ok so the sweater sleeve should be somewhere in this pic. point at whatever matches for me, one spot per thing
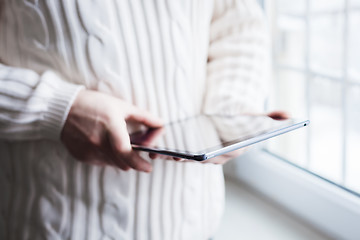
(238, 59)
(33, 106)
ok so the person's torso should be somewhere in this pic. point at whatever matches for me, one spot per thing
(150, 53)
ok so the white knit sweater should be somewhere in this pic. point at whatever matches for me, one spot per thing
(174, 58)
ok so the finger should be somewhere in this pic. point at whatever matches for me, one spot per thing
(186, 160)
(144, 117)
(153, 155)
(151, 136)
(120, 142)
(279, 115)
(161, 156)
(111, 158)
(136, 162)
(219, 160)
(222, 159)
(120, 164)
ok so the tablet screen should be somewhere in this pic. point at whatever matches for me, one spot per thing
(206, 133)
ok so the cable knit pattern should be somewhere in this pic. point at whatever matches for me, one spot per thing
(174, 58)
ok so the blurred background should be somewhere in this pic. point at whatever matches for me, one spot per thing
(316, 59)
(308, 180)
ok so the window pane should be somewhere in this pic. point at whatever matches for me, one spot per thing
(291, 146)
(291, 7)
(326, 44)
(353, 139)
(326, 128)
(289, 95)
(326, 5)
(355, 3)
(354, 46)
(289, 92)
(290, 41)
(320, 147)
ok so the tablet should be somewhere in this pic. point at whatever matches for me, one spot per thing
(206, 136)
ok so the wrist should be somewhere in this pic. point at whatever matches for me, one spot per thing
(61, 96)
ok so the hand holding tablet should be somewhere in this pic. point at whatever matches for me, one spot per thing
(204, 137)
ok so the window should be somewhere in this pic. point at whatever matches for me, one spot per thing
(316, 63)
(316, 68)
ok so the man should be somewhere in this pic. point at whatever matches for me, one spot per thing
(75, 73)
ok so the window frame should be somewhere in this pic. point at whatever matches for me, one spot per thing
(310, 74)
(322, 204)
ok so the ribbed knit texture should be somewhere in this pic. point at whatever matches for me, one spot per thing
(175, 58)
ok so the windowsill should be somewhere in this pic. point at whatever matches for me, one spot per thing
(248, 215)
(321, 204)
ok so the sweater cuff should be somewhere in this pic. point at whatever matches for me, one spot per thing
(59, 97)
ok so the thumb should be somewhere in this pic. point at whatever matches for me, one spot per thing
(144, 117)
(120, 141)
